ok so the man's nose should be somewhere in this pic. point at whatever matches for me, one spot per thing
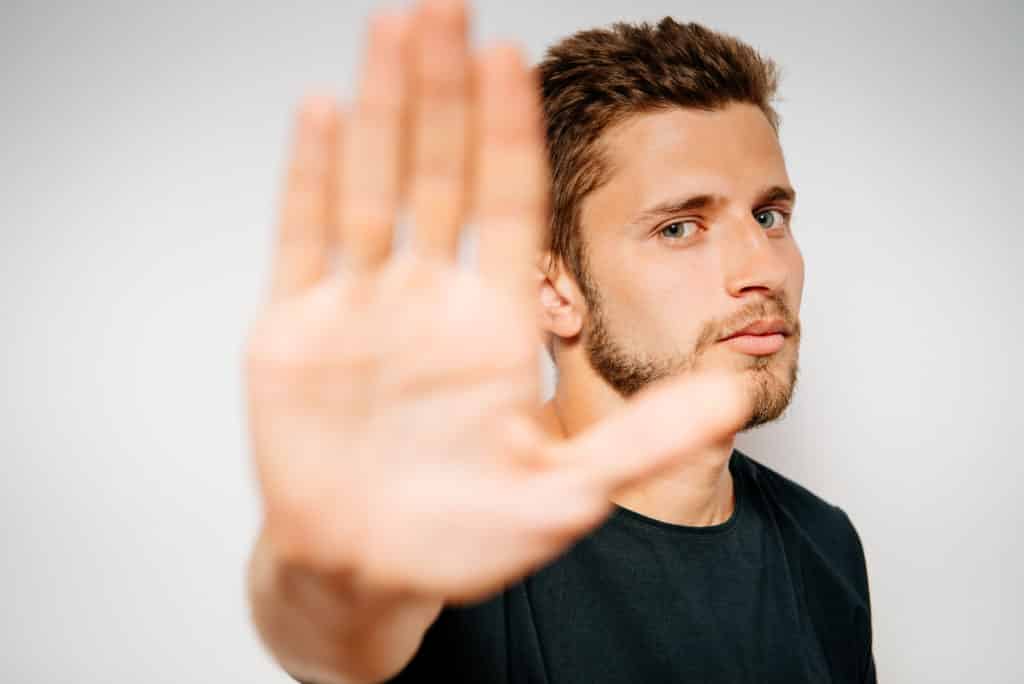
(751, 258)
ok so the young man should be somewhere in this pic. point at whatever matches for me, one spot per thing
(427, 521)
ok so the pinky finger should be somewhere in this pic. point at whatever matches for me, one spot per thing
(301, 251)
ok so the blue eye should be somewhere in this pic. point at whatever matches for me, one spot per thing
(675, 231)
(771, 222)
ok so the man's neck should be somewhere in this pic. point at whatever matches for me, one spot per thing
(696, 492)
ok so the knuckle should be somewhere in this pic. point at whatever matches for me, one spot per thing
(281, 348)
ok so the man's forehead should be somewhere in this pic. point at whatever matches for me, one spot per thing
(701, 141)
(657, 158)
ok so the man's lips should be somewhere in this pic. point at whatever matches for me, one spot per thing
(758, 345)
(762, 337)
(763, 326)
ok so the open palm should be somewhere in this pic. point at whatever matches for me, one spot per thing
(394, 394)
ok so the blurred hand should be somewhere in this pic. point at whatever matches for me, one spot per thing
(393, 395)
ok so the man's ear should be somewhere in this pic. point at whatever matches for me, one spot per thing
(561, 303)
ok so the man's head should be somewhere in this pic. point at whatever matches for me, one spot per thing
(670, 209)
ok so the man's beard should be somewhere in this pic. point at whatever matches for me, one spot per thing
(629, 372)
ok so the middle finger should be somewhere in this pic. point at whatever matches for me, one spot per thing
(440, 125)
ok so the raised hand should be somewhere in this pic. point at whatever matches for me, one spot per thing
(394, 394)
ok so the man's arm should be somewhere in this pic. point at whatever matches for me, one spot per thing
(321, 631)
(392, 394)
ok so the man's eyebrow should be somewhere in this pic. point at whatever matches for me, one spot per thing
(777, 193)
(774, 193)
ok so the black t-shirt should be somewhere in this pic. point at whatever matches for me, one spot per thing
(778, 593)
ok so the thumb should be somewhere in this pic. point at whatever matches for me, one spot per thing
(657, 428)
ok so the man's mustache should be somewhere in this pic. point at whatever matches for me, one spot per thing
(774, 307)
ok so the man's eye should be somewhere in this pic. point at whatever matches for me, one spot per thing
(676, 230)
(766, 218)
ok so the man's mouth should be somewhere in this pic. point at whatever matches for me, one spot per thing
(762, 326)
(760, 338)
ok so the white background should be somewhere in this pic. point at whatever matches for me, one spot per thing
(140, 153)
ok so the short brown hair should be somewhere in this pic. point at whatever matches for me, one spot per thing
(597, 77)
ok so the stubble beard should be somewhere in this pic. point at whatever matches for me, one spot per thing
(629, 372)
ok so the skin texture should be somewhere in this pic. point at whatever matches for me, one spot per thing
(393, 396)
(660, 293)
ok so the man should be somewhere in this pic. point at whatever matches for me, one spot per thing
(427, 521)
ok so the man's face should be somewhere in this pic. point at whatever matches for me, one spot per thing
(666, 282)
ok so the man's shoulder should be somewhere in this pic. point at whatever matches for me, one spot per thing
(797, 500)
(831, 557)
(824, 527)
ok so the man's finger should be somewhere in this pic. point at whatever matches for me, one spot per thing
(371, 175)
(440, 126)
(301, 251)
(661, 426)
(512, 174)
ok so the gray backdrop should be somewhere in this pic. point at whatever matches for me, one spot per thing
(141, 151)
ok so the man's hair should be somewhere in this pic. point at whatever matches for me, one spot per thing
(598, 77)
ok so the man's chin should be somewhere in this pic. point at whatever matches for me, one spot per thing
(771, 390)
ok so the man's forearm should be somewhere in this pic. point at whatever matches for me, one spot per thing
(323, 632)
